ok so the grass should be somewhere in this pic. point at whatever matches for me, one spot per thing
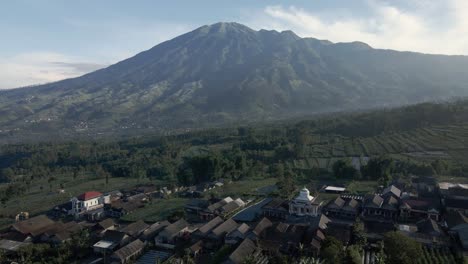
(37, 200)
(156, 210)
(243, 188)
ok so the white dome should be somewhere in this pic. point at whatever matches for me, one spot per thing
(304, 195)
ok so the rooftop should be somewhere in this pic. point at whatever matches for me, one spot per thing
(89, 195)
(34, 225)
(10, 245)
(246, 248)
(103, 244)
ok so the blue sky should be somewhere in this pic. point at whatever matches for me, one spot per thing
(48, 40)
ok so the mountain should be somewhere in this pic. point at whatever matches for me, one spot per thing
(228, 73)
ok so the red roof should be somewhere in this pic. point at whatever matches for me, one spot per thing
(89, 195)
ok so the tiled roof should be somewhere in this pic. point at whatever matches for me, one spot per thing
(374, 201)
(107, 223)
(392, 190)
(245, 249)
(34, 225)
(129, 250)
(89, 195)
(211, 225)
(225, 227)
(421, 204)
(337, 203)
(262, 225)
(174, 228)
(135, 229)
(113, 236)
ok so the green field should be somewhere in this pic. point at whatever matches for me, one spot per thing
(156, 210)
(37, 200)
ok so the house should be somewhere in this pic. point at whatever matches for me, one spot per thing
(456, 205)
(342, 208)
(261, 226)
(167, 238)
(231, 207)
(60, 232)
(195, 208)
(115, 195)
(313, 241)
(426, 232)
(237, 235)
(154, 256)
(204, 230)
(276, 209)
(454, 218)
(135, 229)
(32, 228)
(120, 208)
(419, 208)
(196, 248)
(128, 252)
(244, 250)
(89, 205)
(304, 204)
(391, 191)
(381, 208)
(461, 232)
(320, 222)
(111, 239)
(455, 191)
(101, 227)
(152, 231)
(283, 237)
(11, 246)
(429, 227)
(216, 236)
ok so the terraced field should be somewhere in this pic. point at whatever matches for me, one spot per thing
(450, 142)
(436, 256)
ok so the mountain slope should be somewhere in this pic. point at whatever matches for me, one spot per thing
(228, 72)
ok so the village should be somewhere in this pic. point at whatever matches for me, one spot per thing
(231, 229)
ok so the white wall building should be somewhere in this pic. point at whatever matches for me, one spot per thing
(87, 202)
(304, 204)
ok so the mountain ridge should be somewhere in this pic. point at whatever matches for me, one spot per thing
(228, 73)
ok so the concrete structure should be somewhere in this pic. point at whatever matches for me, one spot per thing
(304, 204)
(89, 204)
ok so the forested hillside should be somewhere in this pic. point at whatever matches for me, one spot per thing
(425, 139)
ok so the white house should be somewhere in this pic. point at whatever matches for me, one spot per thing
(88, 203)
(304, 204)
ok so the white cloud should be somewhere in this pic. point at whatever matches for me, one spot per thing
(117, 40)
(438, 26)
(41, 67)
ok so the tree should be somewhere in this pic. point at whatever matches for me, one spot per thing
(380, 256)
(358, 233)
(343, 169)
(353, 255)
(401, 249)
(286, 184)
(332, 250)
